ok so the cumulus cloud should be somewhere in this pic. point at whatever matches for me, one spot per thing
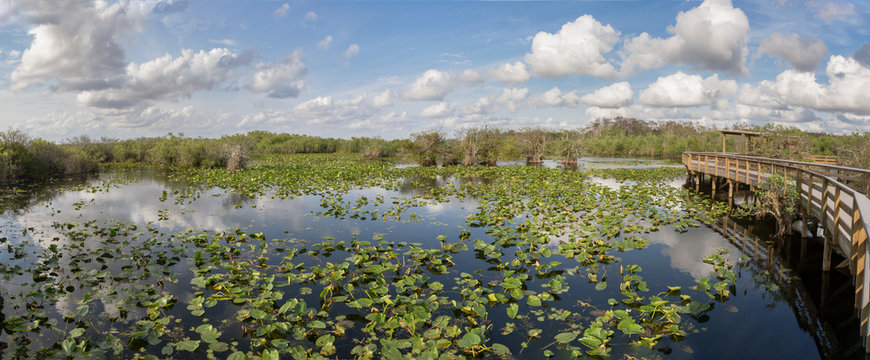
(351, 51)
(612, 96)
(325, 110)
(440, 109)
(75, 42)
(846, 90)
(683, 90)
(711, 36)
(479, 107)
(325, 43)
(469, 77)
(166, 78)
(281, 79)
(383, 99)
(578, 48)
(431, 85)
(435, 84)
(802, 52)
(511, 98)
(510, 73)
(282, 10)
(863, 55)
(555, 98)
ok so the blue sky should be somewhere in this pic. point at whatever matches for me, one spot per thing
(391, 68)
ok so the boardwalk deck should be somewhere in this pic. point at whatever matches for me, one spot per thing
(835, 196)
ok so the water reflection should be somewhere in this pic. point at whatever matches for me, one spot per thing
(802, 319)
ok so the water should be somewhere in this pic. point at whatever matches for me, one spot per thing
(769, 315)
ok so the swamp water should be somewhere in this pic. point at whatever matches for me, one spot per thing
(314, 256)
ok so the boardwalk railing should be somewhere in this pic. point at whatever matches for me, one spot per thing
(833, 195)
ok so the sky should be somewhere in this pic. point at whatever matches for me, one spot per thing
(134, 68)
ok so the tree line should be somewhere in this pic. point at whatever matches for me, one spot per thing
(23, 158)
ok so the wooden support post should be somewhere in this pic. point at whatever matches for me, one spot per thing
(758, 174)
(716, 165)
(730, 192)
(803, 250)
(747, 172)
(826, 254)
(728, 168)
(804, 224)
(713, 182)
(826, 285)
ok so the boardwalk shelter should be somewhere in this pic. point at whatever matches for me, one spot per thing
(748, 135)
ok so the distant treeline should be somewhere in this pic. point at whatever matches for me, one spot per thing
(23, 158)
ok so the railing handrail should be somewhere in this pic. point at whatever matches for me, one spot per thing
(834, 167)
(769, 161)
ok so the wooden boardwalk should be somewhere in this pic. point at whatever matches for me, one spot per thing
(835, 196)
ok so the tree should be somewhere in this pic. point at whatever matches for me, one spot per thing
(778, 197)
(480, 145)
(532, 143)
(425, 147)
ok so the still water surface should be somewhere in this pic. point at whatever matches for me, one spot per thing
(774, 313)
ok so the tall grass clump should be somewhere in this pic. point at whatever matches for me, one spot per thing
(23, 158)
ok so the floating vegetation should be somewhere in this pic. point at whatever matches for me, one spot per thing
(536, 268)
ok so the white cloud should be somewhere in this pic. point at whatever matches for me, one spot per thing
(846, 90)
(785, 116)
(383, 99)
(762, 96)
(555, 98)
(432, 85)
(711, 36)
(325, 110)
(394, 117)
(578, 48)
(510, 73)
(351, 51)
(482, 106)
(76, 43)
(282, 79)
(282, 10)
(594, 112)
(166, 78)
(224, 42)
(310, 17)
(325, 43)
(802, 52)
(13, 57)
(438, 110)
(469, 77)
(682, 90)
(511, 98)
(838, 11)
(612, 96)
